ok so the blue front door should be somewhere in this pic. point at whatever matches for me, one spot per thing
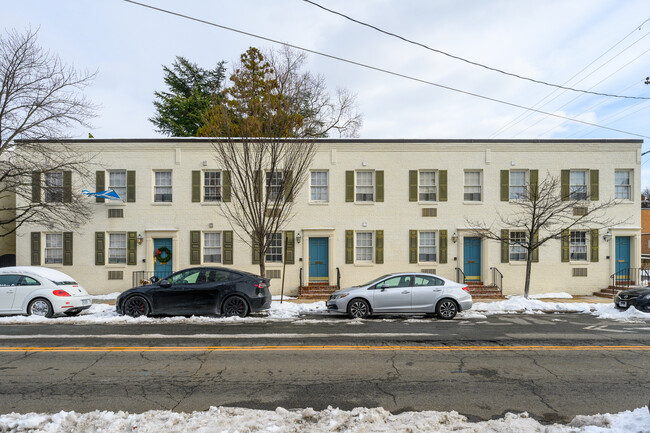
(162, 270)
(472, 259)
(318, 259)
(622, 257)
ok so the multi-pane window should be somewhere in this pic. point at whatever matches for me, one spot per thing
(54, 186)
(53, 248)
(117, 182)
(212, 247)
(117, 248)
(623, 184)
(578, 185)
(517, 185)
(427, 186)
(578, 246)
(318, 186)
(274, 248)
(162, 186)
(427, 251)
(517, 249)
(274, 181)
(364, 247)
(365, 187)
(472, 185)
(211, 186)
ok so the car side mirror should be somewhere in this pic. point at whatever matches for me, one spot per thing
(383, 286)
(165, 284)
(154, 279)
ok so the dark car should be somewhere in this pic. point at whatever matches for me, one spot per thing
(198, 291)
(637, 297)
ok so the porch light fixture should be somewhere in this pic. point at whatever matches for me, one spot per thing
(140, 239)
(454, 238)
(607, 236)
(298, 237)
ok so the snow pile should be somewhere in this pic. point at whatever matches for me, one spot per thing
(231, 420)
(107, 297)
(559, 295)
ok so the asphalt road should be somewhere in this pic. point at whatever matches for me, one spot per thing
(552, 366)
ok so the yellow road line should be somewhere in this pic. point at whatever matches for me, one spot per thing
(318, 348)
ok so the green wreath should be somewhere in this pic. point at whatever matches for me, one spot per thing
(163, 255)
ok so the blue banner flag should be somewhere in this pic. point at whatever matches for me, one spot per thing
(109, 194)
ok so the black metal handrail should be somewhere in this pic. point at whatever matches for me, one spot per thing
(460, 272)
(140, 278)
(630, 277)
(497, 279)
(338, 279)
(300, 286)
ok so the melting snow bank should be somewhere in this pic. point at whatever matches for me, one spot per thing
(224, 419)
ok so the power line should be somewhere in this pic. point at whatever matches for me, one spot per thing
(521, 77)
(374, 68)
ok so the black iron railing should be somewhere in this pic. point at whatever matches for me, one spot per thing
(460, 276)
(338, 279)
(140, 278)
(300, 286)
(497, 279)
(630, 277)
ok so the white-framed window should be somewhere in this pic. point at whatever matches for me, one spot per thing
(623, 184)
(319, 186)
(162, 186)
(427, 186)
(117, 248)
(517, 251)
(212, 247)
(274, 183)
(54, 187)
(211, 186)
(578, 246)
(364, 247)
(578, 185)
(274, 248)
(53, 248)
(365, 186)
(117, 182)
(427, 248)
(517, 184)
(473, 184)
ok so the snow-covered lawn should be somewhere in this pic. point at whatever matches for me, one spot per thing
(231, 420)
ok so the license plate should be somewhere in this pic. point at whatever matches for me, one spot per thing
(85, 301)
(622, 304)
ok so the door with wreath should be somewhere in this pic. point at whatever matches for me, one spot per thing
(162, 257)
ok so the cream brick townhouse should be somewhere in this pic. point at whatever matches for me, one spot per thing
(370, 207)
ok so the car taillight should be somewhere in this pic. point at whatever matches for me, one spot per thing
(60, 293)
(260, 286)
(466, 289)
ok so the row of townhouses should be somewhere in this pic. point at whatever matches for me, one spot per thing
(368, 208)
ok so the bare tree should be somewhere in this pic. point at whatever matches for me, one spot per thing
(545, 211)
(40, 98)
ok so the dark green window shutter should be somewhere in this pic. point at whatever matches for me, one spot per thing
(131, 248)
(256, 251)
(379, 248)
(67, 249)
(225, 186)
(535, 258)
(534, 182)
(349, 186)
(349, 246)
(505, 246)
(413, 185)
(257, 187)
(100, 185)
(36, 187)
(594, 244)
(196, 186)
(195, 247)
(67, 186)
(227, 248)
(288, 185)
(379, 189)
(565, 245)
(442, 174)
(593, 180)
(443, 246)
(36, 248)
(564, 184)
(413, 246)
(100, 248)
(505, 185)
(130, 186)
(290, 248)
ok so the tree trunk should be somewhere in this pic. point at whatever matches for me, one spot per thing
(262, 263)
(529, 263)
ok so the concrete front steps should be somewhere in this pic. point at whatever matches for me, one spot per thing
(479, 290)
(611, 291)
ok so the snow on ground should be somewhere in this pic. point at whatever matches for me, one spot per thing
(110, 296)
(559, 295)
(231, 420)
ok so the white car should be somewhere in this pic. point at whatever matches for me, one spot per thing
(41, 292)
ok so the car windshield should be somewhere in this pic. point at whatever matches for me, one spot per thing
(375, 281)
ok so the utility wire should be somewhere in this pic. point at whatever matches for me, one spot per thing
(374, 68)
(521, 77)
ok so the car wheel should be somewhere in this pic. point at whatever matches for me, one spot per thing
(358, 309)
(40, 307)
(446, 309)
(136, 306)
(235, 306)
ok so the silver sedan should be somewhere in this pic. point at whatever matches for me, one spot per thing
(407, 292)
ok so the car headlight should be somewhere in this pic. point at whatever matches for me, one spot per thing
(646, 297)
(339, 296)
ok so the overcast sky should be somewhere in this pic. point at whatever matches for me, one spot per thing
(549, 41)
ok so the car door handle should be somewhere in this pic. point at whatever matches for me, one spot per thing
(406, 292)
(11, 291)
(437, 290)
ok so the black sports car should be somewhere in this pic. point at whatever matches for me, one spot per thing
(638, 297)
(198, 291)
